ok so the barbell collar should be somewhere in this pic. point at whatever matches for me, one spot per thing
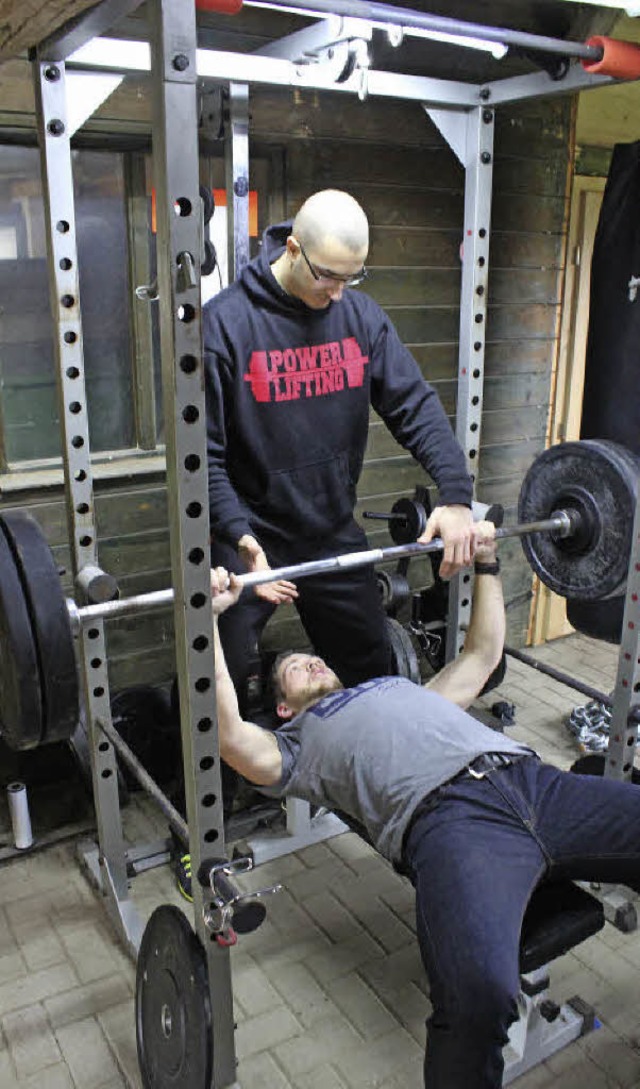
(561, 524)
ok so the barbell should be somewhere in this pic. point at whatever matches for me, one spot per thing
(576, 510)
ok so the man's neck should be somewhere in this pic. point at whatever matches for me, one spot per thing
(279, 270)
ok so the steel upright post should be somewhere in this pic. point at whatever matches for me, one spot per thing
(57, 182)
(175, 159)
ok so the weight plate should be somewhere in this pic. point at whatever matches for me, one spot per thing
(173, 1015)
(403, 656)
(208, 203)
(394, 589)
(413, 525)
(600, 480)
(49, 624)
(20, 696)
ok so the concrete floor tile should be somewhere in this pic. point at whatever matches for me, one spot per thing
(36, 987)
(88, 1000)
(30, 1041)
(362, 1007)
(538, 1078)
(54, 1077)
(260, 1071)
(253, 989)
(384, 1057)
(385, 975)
(410, 1007)
(8, 1075)
(341, 958)
(410, 1077)
(118, 1025)
(375, 917)
(309, 883)
(92, 955)
(332, 917)
(266, 1031)
(12, 966)
(323, 1077)
(87, 1054)
(307, 1051)
(619, 1061)
(304, 997)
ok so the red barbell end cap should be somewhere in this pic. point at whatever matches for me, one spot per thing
(621, 60)
(221, 7)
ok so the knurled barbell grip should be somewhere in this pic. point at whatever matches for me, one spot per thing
(561, 522)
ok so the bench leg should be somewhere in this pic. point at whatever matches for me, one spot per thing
(543, 1027)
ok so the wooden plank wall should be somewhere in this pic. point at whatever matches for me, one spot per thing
(391, 157)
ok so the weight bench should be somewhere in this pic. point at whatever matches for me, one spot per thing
(559, 916)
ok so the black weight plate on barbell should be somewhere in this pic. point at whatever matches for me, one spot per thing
(404, 660)
(414, 524)
(209, 258)
(208, 203)
(594, 475)
(394, 590)
(20, 696)
(173, 1012)
(50, 624)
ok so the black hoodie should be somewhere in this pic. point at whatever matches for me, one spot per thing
(288, 394)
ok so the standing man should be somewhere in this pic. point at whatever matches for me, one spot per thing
(294, 360)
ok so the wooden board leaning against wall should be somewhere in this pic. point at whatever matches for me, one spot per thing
(549, 614)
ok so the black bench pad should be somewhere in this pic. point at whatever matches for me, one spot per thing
(560, 915)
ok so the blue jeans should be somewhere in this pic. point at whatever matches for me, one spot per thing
(475, 857)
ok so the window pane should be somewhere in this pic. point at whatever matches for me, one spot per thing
(27, 374)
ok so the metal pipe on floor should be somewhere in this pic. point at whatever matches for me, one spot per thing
(176, 822)
(564, 678)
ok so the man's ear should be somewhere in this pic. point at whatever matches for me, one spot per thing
(283, 710)
(292, 246)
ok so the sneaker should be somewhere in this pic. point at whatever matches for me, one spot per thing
(183, 877)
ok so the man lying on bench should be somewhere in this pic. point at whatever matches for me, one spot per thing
(475, 819)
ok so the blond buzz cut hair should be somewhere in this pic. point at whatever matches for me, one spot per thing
(331, 213)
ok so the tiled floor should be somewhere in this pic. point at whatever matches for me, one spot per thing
(330, 992)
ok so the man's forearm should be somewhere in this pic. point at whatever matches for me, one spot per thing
(226, 697)
(487, 625)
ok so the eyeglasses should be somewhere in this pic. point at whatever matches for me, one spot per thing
(326, 274)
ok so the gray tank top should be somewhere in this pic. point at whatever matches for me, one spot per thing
(375, 751)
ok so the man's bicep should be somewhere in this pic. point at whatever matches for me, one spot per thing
(253, 752)
(460, 681)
